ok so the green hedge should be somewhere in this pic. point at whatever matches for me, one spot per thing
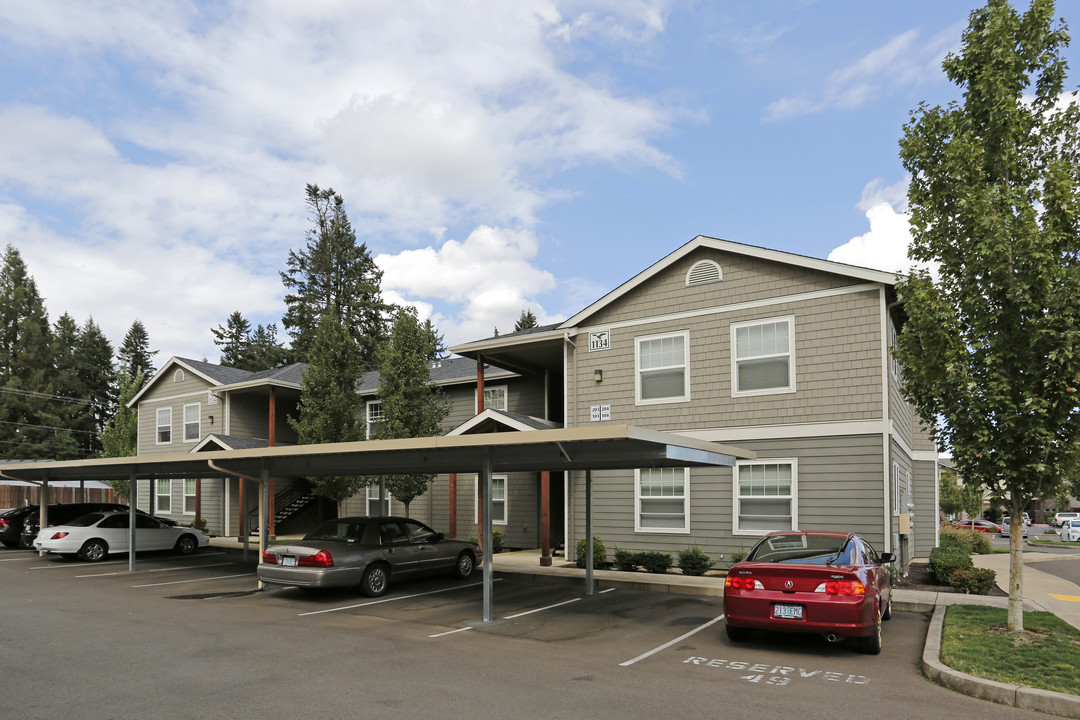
(977, 581)
(599, 553)
(694, 561)
(946, 560)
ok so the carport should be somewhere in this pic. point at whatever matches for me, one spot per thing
(603, 447)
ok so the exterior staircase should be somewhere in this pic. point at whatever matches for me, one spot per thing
(290, 502)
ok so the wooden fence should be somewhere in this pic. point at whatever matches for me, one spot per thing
(13, 496)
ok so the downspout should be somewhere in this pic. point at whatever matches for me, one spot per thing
(569, 420)
(886, 420)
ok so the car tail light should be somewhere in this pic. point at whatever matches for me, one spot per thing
(59, 536)
(4, 523)
(841, 587)
(322, 559)
(269, 558)
(743, 583)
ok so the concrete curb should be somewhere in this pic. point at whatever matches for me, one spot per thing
(1018, 696)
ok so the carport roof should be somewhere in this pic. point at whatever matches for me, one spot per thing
(587, 448)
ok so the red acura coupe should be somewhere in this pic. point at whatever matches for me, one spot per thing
(834, 584)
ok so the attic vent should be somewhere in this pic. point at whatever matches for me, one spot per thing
(703, 273)
(178, 376)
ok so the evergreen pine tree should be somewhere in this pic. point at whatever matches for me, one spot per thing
(333, 274)
(526, 321)
(412, 405)
(135, 353)
(329, 407)
(97, 376)
(233, 340)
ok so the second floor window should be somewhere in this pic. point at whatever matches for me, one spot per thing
(191, 422)
(662, 371)
(374, 415)
(164, 426)
(763, 357)
(495, 398)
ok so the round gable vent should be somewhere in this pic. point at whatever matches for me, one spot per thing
(703, 273)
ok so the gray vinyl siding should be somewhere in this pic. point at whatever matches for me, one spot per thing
(834, 472)
(926, 503)
(837, 369)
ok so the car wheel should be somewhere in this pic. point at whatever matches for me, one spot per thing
(375, 581)
(11, 543)
(872, 645)
(25, 544)
(887, 615)
(737, 634)
(465, 565)
(94, 550)
(186, 544)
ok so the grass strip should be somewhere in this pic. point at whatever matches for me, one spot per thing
(1040, 541)
(1046, 655)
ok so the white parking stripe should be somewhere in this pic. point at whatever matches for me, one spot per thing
(68, 566)
(450, 632)
(540, 609)
(182, 582)
(190, 567)
(669, 644)
(392, 599)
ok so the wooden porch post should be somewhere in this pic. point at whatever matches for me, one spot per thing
(545, 518)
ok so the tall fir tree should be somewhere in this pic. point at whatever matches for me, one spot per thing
(526, 321)
(97, 375)
(233, 339)
(76, 413)
(264, 350)
(333, 273)
(329, 407)
(120, 435)
(135, 353)
(31, 422)
(992, 347)
(412, 405)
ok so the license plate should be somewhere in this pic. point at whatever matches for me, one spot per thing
(290, 561)
(787, 612)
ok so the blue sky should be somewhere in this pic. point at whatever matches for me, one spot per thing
(493, 155)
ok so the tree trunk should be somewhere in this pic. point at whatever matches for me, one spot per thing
(1016, 567)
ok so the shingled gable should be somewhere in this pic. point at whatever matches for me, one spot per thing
(490, 419)
(701, 241)
(224, 377)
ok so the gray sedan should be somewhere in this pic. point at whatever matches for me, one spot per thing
(366, 552)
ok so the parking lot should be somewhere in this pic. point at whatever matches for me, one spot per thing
(193, 637)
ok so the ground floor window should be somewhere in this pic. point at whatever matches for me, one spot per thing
(765, 496)
(163, 500)
(498, 499)
(189, 496)
(663, 500)
(373, 501)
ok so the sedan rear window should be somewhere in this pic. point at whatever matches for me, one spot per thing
(337, 530)
(804, 550)
(85, 520)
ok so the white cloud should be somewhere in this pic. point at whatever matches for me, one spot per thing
(885, 245)
(158, 171)
(904, 61)
(491, 273)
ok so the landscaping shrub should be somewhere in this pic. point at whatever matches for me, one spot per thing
(599, 553)
(977, 581)
(946, 560)
(694, 561)
(497, 537)
(973, 542)
(655, 562)
(626, 560)
(738, 555)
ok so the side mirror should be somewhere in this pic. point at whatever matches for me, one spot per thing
(438, 537)
(888, 558)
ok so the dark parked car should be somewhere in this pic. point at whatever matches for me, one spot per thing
(61, 513)
(834, 584)
(366, 553)
(11, 524)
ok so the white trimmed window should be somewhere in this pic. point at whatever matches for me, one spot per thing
(763, 356)
(374, 415)
(495, 398)
(663, 374)
(192, 415)
(163, 496)
(765, 497)
(498, 499)
(373, 501)
(164, 426)
(189, 496)
(663, 500)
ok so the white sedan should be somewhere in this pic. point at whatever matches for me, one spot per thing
(1070, 531)
(93, 536)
